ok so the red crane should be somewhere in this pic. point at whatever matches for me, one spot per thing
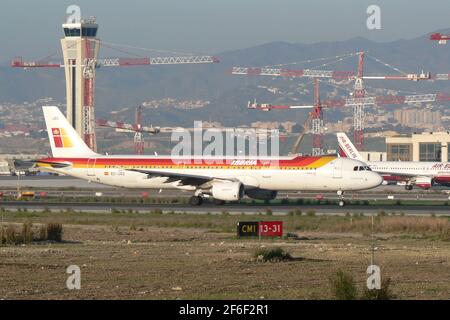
(350, 102)
(332, 74)
(89, 64)
(358, 109)
(18, 62)
(316, 115)
(136, 127)
(317, 122)
(358, 89)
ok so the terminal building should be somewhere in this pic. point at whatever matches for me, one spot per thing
(373, 155)
(427, 146)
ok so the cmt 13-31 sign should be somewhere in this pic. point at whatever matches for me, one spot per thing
(260, 229)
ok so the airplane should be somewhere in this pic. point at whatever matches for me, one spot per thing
(222, 179)
(421, 174)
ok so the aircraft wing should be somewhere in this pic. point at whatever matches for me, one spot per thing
(399, 174)
(185, 179)
(22, 164)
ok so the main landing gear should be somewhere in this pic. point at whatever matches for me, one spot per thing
(409, 187)
(341, 200)
(196, 200)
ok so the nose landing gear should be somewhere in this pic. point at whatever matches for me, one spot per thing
(341, 202)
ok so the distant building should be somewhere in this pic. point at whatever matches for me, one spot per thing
(373, 155)
(427, 146)
(339, 126)
(266, 125)
(418, 118)
(4, 168)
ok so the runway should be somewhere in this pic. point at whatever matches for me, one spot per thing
(63, 186)
(47, 182)
(246, 209)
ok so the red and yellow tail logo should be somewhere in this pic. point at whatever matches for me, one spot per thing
(61, 138)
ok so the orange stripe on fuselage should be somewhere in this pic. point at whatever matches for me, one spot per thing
(298, 162)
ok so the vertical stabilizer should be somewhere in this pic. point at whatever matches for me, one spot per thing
(64, 140)
(347, 147)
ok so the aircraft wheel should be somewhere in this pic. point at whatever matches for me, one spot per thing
(341, 203)
(409, 187)
(196, 200)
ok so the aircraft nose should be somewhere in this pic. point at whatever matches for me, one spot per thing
(376, 179)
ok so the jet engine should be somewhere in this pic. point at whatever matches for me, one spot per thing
(424, 182)
(261, 194)
(227, 191)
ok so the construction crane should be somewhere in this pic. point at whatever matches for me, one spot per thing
(268, 106)
(137, 127)
(359, 94)
(358, 109)
(332, 74)
(18, 62)
(316, 115)
(358, 89)
(337, 75)
(373, 101)
(80, 48)
(317, 122)
(88, 131)
(442, 39)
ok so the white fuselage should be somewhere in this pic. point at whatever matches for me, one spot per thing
(412, 168)
(336, 175)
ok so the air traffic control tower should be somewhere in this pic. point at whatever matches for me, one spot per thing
(80, 50)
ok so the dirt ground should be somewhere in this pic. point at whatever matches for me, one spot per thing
(192, 263)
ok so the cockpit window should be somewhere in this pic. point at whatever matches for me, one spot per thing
(362, 168)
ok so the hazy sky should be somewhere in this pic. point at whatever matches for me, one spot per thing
(32, 28)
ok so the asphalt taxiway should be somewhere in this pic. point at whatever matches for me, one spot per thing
(245, 209)
(56, 186)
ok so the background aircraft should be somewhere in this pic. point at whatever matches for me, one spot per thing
(421, 174)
